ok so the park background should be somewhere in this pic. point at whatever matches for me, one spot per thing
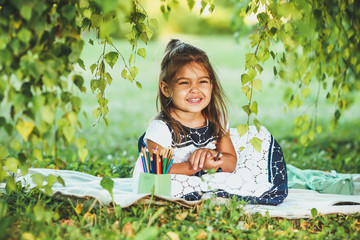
(112, 149)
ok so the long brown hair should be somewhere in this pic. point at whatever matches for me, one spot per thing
(177, 55)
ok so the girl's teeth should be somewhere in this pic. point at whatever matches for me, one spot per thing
(194, 99)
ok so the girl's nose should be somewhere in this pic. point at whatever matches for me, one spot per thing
(194, 88)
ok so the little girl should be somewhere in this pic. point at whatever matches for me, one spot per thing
(193, 121)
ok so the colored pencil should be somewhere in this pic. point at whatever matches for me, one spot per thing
(149, 160)
(143, 162)
(160, 164)
(217, 156)
(146, 160)
(164, 162)
(154, 161)
(168, 168)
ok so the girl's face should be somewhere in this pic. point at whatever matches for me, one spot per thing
(191, 90)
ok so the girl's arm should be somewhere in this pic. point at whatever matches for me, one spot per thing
(205, 158)
(226, 147)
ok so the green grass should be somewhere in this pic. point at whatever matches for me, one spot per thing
(113, 150)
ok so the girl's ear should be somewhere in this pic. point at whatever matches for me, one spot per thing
(165, 89)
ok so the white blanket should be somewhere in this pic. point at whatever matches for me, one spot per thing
(298, 204)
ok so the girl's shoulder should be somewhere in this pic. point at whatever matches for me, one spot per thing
(158, 131)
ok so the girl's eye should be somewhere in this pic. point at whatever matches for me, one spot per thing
(204, 81)
(183, 83)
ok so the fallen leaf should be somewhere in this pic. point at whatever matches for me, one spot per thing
(27, 236)
(90, 218)
(173, 236)
(305, 225)
(181, 216)
(201, 235)
(247, 226)
(67, 222)
(128, 230)
(79, 208)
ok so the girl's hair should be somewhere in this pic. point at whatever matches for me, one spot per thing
(177, 55)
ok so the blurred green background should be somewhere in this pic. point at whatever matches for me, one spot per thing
(226, 43)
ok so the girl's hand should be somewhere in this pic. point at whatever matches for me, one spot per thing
(205, 159)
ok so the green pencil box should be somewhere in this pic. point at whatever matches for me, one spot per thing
(161, 183)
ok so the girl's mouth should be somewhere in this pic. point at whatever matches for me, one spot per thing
(194, 100)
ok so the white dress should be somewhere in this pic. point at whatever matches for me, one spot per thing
(259, 177)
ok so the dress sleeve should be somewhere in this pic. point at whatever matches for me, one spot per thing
(159, 133)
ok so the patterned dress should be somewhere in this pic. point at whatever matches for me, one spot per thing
(259, 177)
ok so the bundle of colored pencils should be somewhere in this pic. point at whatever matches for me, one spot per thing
(157, 162)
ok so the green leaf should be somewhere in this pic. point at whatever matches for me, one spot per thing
(242, 129)
(255, 37)
(24, 35)
(76, 49)
(305, 92)
(263, 18)
(134, 71)
(256, 143)
(80, 142)
(37, 153)
(69, 12)
(3, 209)
(141, 52)
(93, 67)
(272, 55)
(69, 133)
(24, 128)
(138, 85)
(131, 58)
(253, 107)
(257, 84)
(3, 153)
(15, 145)
(96, 112)
(275, 71)
(26, 12)
(10, 183)
(82, 152)
(94, 84)
(250, 60)
(2, 121)
(41, 215)
(247, 91)
(61, 181)
(48, 114)
(153, 24)
(252, 74)
(191, 4)
(111, 58)
(38, 179)
(314, 212)
(108, 184)
(12, 164)
(245, 78)
(257, 124)
(106, 120)
(51, 180)
(246, 109)
(259, 68)
(81, 63)
(123, 73)
(108, 78)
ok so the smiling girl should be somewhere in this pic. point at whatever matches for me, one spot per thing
(193, 121)
(193, 115)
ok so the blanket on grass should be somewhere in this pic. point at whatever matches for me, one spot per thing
(260, 177)
(298, 204)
